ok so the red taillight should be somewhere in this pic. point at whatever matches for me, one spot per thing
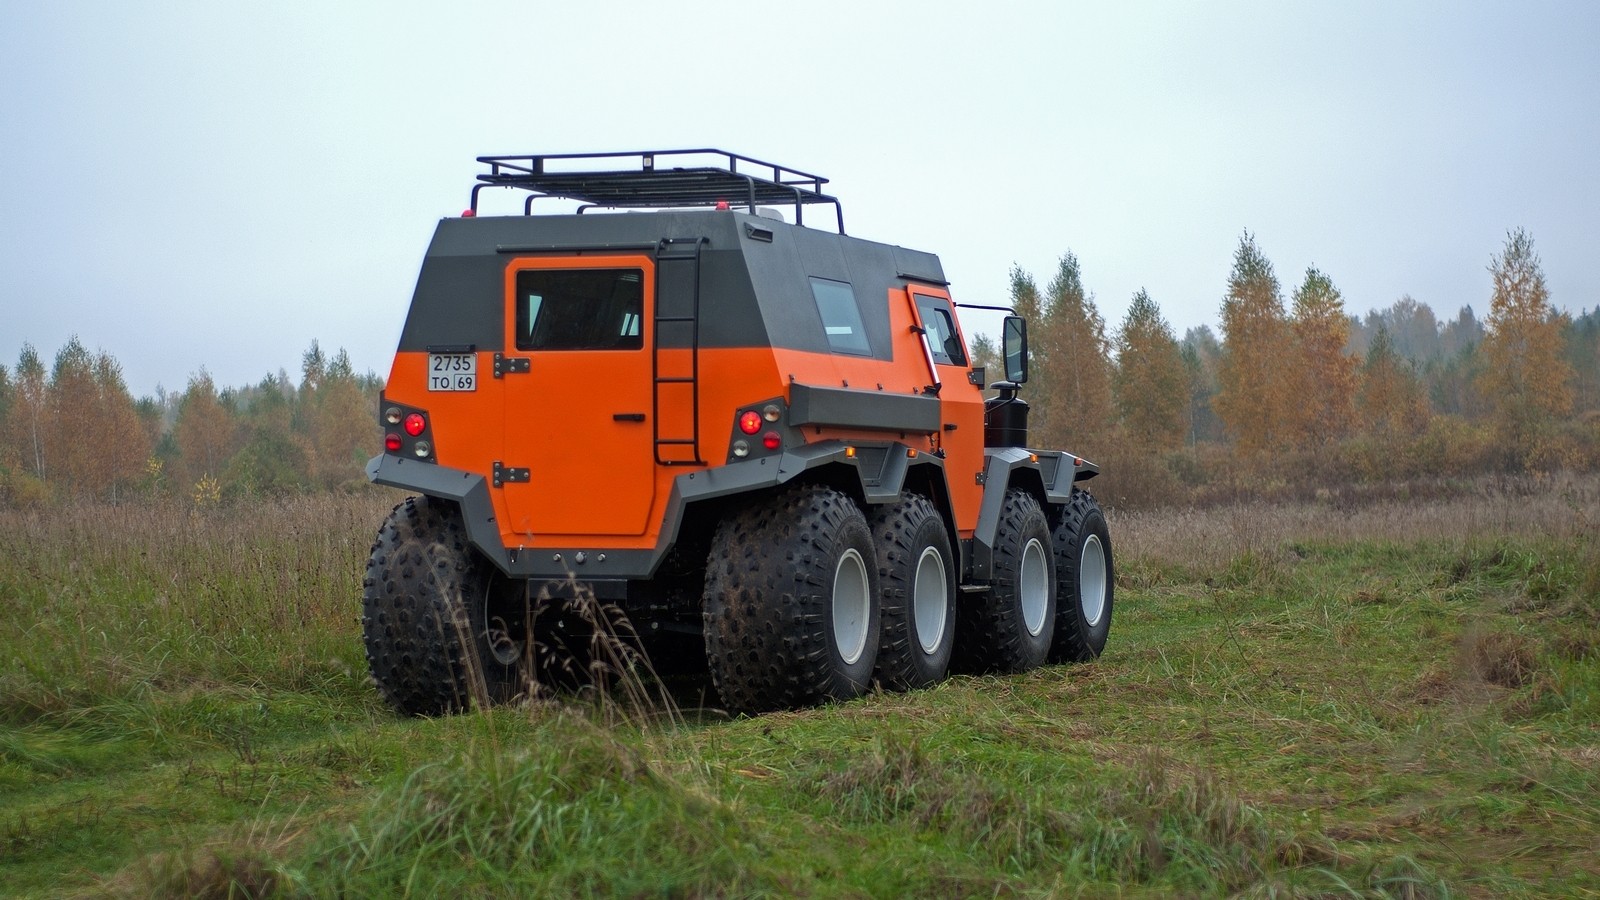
(750, 422)
(771, 441)
(415, 424)
(391, 442)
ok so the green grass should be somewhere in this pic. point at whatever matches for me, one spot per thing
(1381, 702)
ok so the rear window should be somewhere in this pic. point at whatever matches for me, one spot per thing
(580, 309)
(841, 318)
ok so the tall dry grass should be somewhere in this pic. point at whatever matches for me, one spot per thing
(1556, 507)
(110, 601)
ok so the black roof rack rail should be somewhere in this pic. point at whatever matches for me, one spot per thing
(649, 179)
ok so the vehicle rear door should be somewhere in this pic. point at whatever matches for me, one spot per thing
(578, 457)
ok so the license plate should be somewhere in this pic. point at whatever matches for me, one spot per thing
(452, 371)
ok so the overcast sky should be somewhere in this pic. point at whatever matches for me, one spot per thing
(217, 184)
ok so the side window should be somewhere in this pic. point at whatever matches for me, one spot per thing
(943, 339)
(841, 318)
(580, 309)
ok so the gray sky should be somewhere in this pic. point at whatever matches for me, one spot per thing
(216, 184)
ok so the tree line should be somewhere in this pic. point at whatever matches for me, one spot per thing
(1290, 395)
(74, 430)
(1300, 394)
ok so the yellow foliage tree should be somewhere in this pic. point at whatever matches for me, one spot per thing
(1324, 375)
(1254, 390)
(1526, 379)
(204, 431)
(1071, 364)
(1150, 383)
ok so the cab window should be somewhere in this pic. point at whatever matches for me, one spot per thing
(580, 309)
(940, 326)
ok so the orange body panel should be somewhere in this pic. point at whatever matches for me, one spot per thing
(573, 419)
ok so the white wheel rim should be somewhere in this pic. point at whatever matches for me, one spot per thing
(1092, 580)
(1034, 586)
(930, 594)
(852, 604)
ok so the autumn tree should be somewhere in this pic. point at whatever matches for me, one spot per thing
(1389, 399)
(27, 415)
(1525, 378)
(70, 418)
(126, 441)
(1071, 365)
(1149, 383)
(1254, 396)
(204, 431)
(1323, 376)
(344, 420)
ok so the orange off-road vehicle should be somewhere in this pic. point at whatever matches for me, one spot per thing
(764, 439)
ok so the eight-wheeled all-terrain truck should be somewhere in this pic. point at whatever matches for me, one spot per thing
(765, 440)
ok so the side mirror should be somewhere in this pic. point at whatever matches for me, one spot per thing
(1014, 347)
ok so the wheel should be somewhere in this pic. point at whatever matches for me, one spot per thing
(442, 630)
(1086, 589)
(917, 573)
(791, 602)
(1008, 628)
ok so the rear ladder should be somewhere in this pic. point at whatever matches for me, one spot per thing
(677, 328)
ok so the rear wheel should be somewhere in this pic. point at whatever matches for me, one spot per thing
(442, 631)
(1008, 628)
(916, 571)
(1086, 591)
(791, 602)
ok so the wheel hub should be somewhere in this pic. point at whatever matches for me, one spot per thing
(1092, 580)
(852, 605)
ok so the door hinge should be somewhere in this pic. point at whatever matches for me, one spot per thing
(511, 365)
(505, 474)
(983, 477)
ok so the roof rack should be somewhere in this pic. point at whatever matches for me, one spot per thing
(649, 179)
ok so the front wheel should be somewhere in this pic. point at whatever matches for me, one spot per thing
(1086, 591)
(791, 602)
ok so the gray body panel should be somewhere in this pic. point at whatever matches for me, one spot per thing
(754, 291)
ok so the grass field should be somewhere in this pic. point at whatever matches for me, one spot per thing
(1402, 700)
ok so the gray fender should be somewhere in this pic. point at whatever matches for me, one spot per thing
(1047, 474)
(881, 480)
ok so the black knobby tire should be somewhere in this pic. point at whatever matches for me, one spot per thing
(1086, 584)
(917, 574)
(791, 602)
(440, 636)
(1008, 628)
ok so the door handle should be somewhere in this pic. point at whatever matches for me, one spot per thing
(627, 417)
